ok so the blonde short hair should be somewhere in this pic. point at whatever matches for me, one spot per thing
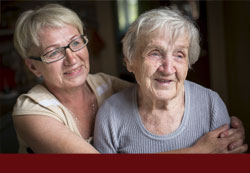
(30, 22)
(167, 20)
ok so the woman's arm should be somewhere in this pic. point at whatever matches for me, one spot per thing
(46, 135)
(212, 142)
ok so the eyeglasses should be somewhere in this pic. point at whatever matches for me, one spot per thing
(59, 53)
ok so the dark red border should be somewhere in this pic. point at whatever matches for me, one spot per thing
(126, 163)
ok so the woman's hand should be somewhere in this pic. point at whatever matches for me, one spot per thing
(219, 140)
(236, 132)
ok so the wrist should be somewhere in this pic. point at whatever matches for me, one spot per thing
(199, 148)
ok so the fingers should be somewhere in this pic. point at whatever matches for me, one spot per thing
(236, 122)
(237, 130)
(238, 133)
(218, 131)
(235, 137)
(230, 132)
(224, 134)
(235, 144)
(241, 149)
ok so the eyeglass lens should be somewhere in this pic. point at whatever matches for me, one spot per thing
(59, 53)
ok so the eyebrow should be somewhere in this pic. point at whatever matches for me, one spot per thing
(149, 47)
(181, 47)
(56, 45)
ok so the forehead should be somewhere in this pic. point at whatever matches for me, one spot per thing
(163, 39)
(55, 35)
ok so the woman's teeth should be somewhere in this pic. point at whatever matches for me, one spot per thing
(72, 71)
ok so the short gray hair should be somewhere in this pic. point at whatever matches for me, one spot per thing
(172, 21)
(30, 22)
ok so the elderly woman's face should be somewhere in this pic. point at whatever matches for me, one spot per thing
(65, 73)
(160, 65)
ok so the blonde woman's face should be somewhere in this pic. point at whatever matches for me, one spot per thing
(66, 73)
(160, 65)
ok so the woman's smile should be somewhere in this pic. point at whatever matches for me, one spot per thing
(163, 81)
(74, 71)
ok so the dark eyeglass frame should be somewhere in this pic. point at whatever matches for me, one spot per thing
(43, 59)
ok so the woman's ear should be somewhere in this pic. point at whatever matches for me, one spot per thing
(128, 65)
(32, 67)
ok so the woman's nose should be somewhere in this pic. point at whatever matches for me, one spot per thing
(70, 57)
(167, 66)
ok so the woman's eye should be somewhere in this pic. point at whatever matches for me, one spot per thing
(75, 43)
(180, 56)
(54, 54)
(154, 54)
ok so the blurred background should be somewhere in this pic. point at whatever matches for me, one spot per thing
(224, 63)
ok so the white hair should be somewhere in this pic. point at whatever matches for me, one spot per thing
(164, 19)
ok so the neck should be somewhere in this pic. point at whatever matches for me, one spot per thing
(161, 116)
(71, 96)
(82, 104)
(150, 104)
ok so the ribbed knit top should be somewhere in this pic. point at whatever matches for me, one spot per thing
(119, 128)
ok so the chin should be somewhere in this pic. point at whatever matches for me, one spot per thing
(79, 81)
(165, 95)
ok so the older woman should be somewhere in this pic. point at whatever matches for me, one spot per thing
(58, 115)
(164, 111)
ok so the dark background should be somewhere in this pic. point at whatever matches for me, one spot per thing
(223, 64)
